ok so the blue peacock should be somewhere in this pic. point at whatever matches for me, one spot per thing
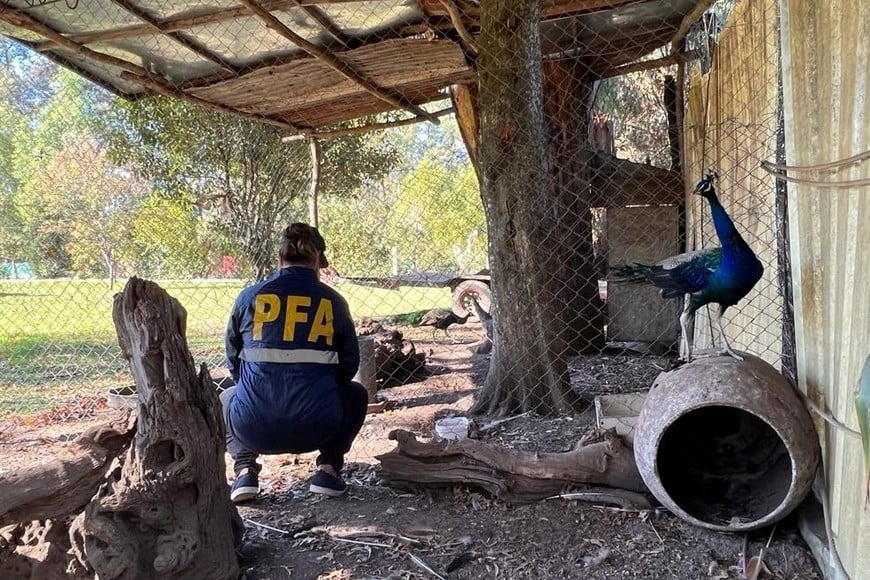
(722, 275)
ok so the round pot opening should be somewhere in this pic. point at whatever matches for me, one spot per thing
(724, 466)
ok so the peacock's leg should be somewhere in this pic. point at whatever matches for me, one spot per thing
(719, 313)
(685, 339)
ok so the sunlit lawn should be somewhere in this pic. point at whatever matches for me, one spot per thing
(57, 338)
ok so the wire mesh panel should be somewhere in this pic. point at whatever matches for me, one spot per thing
(492, 163)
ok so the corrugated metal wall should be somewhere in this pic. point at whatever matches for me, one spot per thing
(731, 126)
(826, 51)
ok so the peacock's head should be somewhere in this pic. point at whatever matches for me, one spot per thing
(704, 186)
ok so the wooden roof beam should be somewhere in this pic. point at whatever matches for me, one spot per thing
(669, 60)
(175, 24)
(21, 19)
(555, 8)
(336, 63)
(323, 20)
(688, 20)
(176, 36)
(331, 134)
(459, 25)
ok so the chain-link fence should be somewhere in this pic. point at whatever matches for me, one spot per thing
(174, 144)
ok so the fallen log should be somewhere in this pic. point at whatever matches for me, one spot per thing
(62, 487)
(166, 513)
(600, 460)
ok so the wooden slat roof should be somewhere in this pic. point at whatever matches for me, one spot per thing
(308, 64)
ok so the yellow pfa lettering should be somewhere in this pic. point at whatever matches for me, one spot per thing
(322, 324)
(294, 315)
(266, 309)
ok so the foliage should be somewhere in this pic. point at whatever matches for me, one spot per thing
(426, 215)
(81, 199)
(240, 173)
(440, 210)
(198, 193)
(635, 104)
(169, 242)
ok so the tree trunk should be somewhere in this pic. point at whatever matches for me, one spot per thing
(166, 513)
(528, 370)
(567, 90)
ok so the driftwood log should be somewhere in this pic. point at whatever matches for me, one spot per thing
(38, 550)
(63, 486)
(37, 503)
(600, 460)
(166, 513)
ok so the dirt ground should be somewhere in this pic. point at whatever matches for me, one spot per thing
(377, 532)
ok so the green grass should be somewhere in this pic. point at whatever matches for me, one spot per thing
(58, 341)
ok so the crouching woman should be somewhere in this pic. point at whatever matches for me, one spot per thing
(292, 351)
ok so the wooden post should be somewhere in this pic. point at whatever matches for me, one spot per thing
(367, 373)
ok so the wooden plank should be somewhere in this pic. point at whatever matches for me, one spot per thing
(335, 62)
(619, 182)
(641, 235)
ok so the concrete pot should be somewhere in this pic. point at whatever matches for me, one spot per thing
(725, 444)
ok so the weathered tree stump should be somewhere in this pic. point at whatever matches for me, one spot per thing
(166, 513)
(37, 504)
(517, 476)
(38, 550)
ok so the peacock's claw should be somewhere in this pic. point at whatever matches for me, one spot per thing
(731, 353)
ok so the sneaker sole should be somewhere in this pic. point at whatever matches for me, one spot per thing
(326, 490)
(244, 494)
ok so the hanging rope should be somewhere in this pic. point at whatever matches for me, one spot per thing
(778, 171)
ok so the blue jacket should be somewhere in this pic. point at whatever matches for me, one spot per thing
(291, 344)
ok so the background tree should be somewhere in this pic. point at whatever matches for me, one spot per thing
(438, 218)
(88, 203)
(57, 115)
(170, 240)
(635, 104)
(238, 172)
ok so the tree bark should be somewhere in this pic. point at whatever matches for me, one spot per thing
(567, 90)
(166, 513)
(507, 473)
(528, 370)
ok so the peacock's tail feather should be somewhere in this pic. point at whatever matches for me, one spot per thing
(628, 273)
(862, 408)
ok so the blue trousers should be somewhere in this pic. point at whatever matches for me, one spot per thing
(354, 400)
